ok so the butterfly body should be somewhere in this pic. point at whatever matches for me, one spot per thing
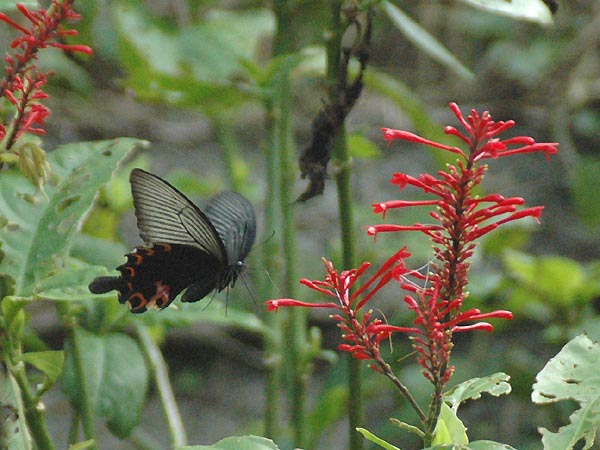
(186, 248)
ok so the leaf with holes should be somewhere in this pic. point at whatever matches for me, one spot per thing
(572, 375)
(37, 234)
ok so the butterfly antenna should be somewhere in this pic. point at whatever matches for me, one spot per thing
(268, 238)
(212, 297)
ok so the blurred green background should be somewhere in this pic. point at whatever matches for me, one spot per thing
(190, 77)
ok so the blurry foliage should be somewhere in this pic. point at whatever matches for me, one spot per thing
(216, 61)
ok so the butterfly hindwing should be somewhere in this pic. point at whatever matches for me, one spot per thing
(234, 219)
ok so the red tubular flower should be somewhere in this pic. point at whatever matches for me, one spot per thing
(23, 84)
(462, 217)
(361, 331)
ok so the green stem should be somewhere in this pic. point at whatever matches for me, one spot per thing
(296, 330)
(296, 337)
(274, 328)
(229, 147)
(163, 386)
(86, 411)
(342, 166)
(33, 414)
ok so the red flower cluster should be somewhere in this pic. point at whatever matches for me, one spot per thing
(23, 84)
(362, 331)
(462, 217)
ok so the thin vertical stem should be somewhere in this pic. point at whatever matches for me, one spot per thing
(163, 386)
(297, 317)
(86, 411)
(296, 330)
(273, 334)
(226, 139)
(342, 177)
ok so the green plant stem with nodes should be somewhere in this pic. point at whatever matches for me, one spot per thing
(86, 412)
(226, 139)
(297, 321)
(273, 345)
(163, 386)
(341, 163)
(33, 413)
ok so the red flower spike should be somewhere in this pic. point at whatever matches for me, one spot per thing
(461, 218)
(22, 85)
(361, 331)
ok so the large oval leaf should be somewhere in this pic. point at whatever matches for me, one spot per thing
(115, 374)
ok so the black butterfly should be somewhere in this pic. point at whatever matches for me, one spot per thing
(186, 248)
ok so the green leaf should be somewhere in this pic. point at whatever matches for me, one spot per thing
(237, 443)
(554, 280)
(411, 105)
(116, 378)
(475, 445)
(82, 445)
(330, 408)
(50, 362)
(70, 284)
(586, 190)
(496, 385)
(532, 10)
(167, 64)
(38, 236)
(185, 314)
(11, 5)
(14, 432)
(449, 428)
(376, 440)
(422, 39)
(362, 147)
(572, 375)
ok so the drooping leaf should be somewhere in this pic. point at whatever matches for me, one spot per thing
(14, 432)
(532, 10)
(475, 445)
(362, 147)
(39, 235)
(116, 378)
(449, 428)
(50, 362)
(376, 440)
(495, 384)
(421, 38)
(237, 443)
(572, 375)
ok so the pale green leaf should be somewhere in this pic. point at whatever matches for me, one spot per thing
(38, 236)
(449, 428)
(531, 10)
(572, 375)
(475, 445)
(376, 440)
(422, 39)
(362, 147)
(237, 443)
(495, 384)
(14, 432)
(50, 362)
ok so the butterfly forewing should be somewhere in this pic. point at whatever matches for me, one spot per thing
(166, 215)
(234, 219)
